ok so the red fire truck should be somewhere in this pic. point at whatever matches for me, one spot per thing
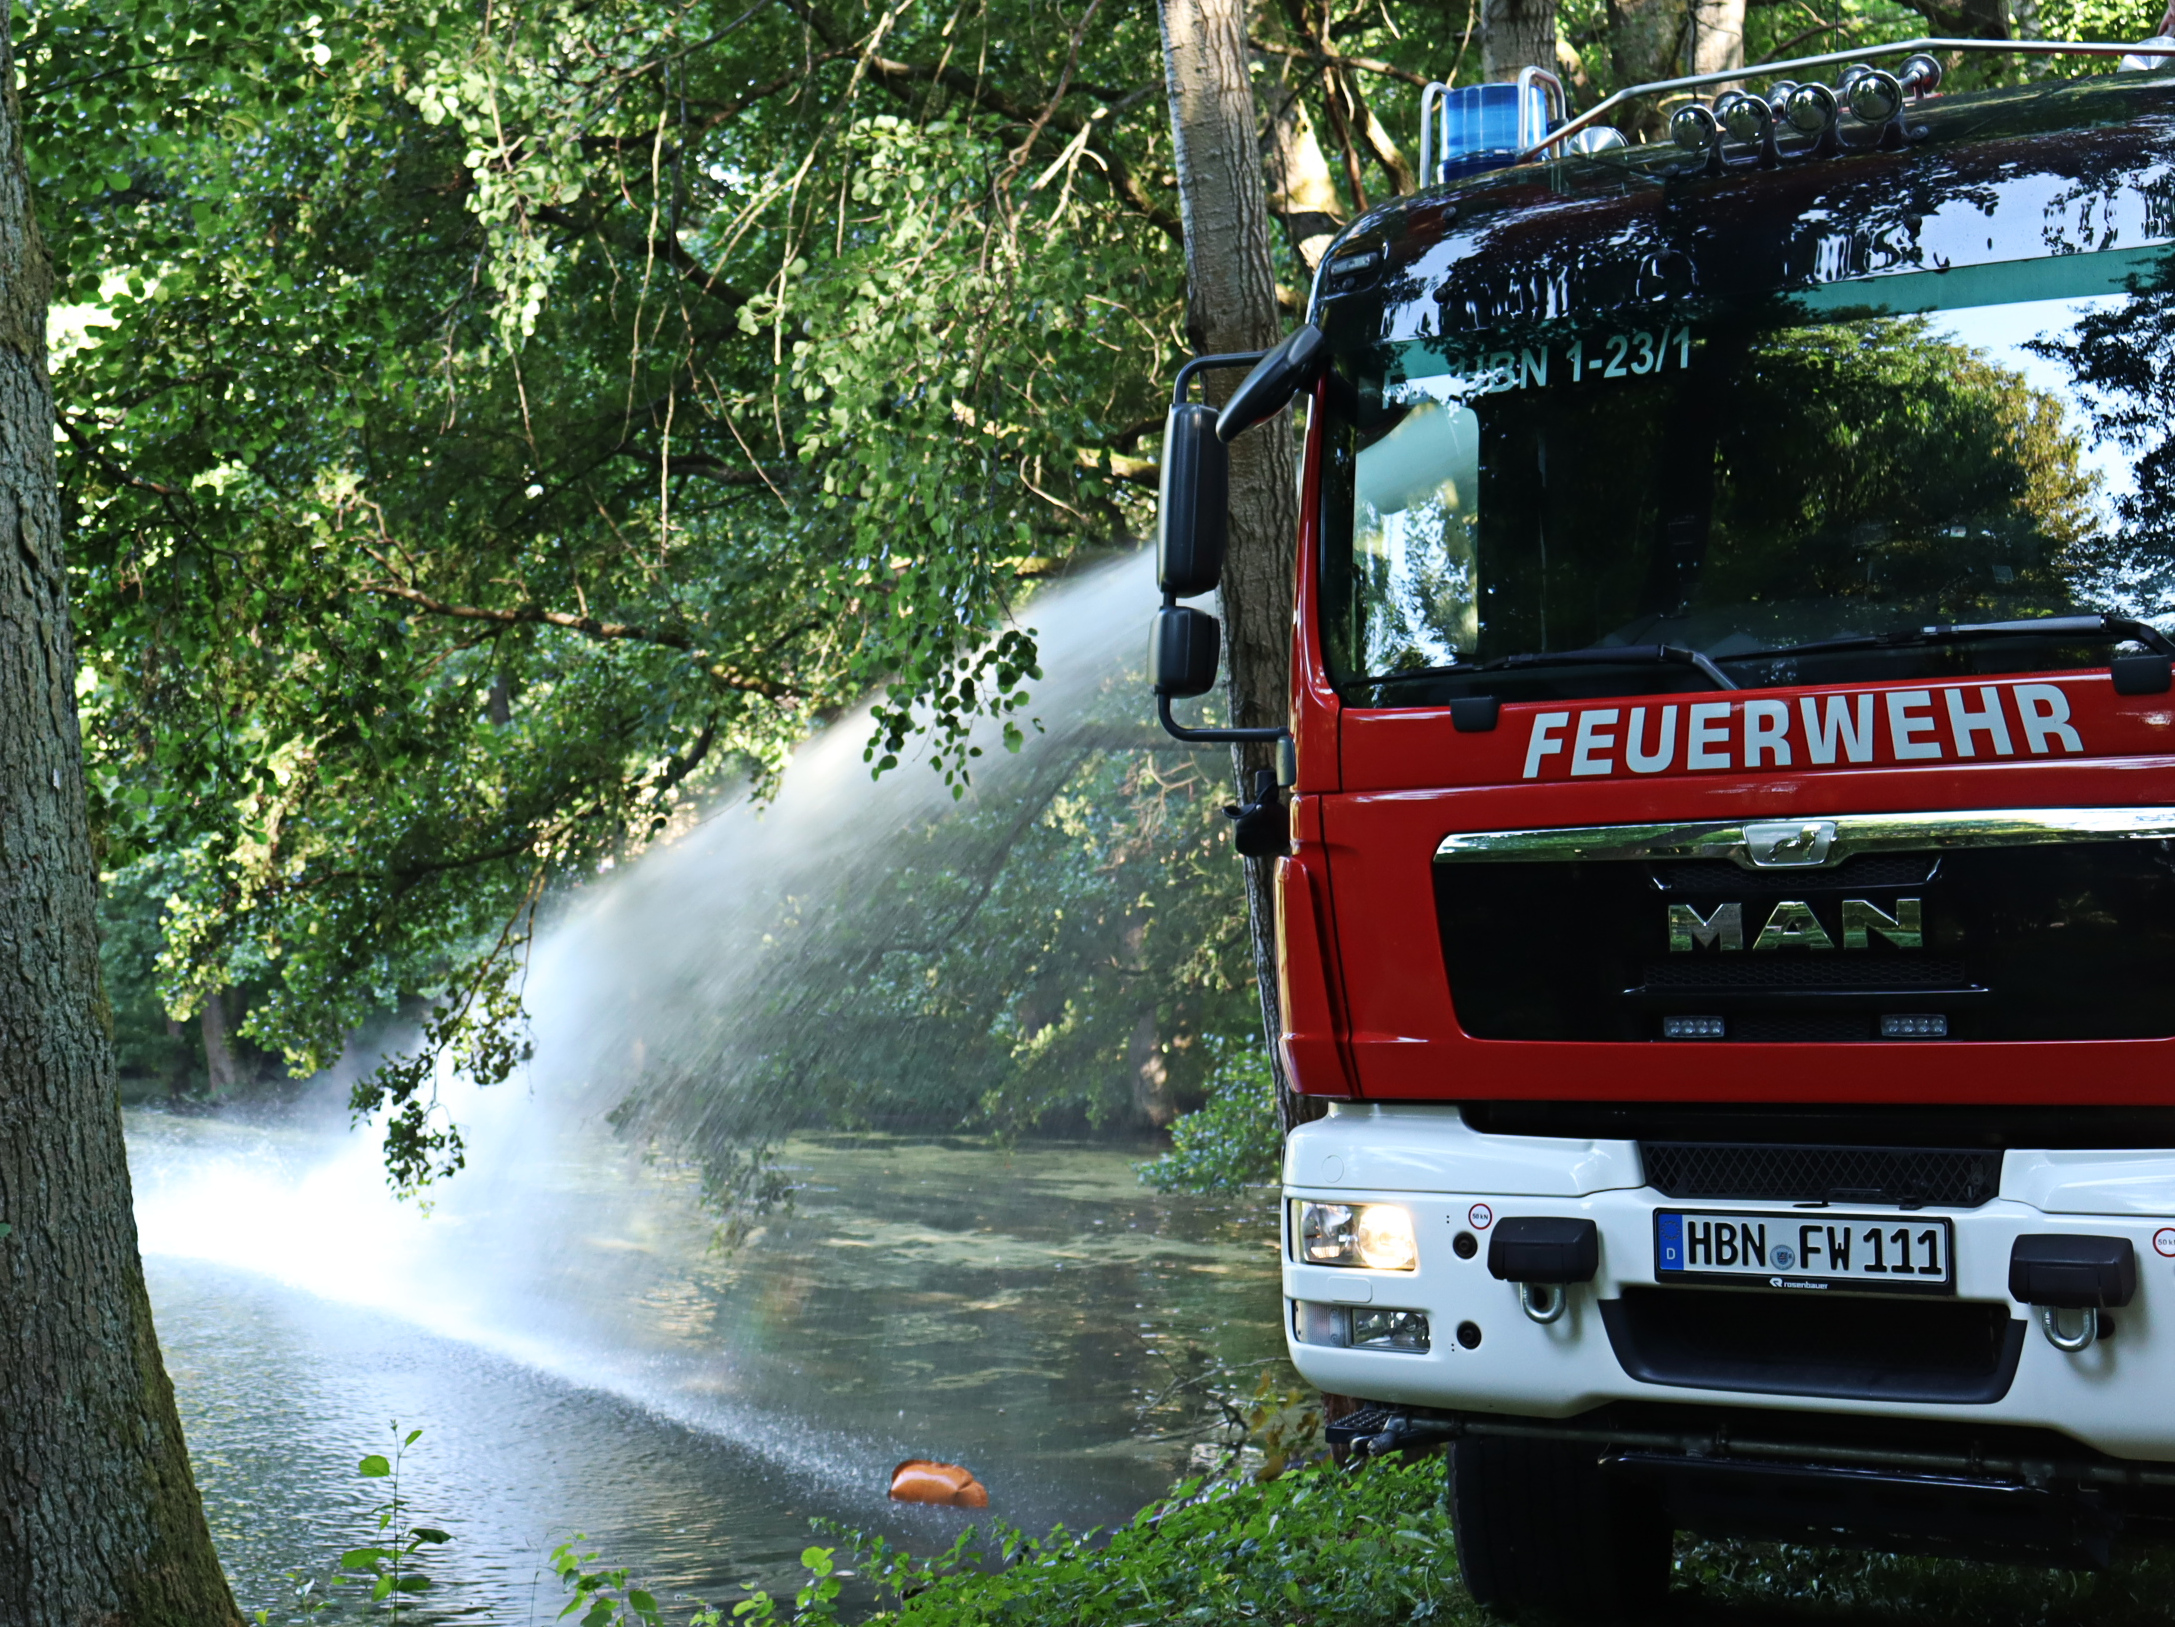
(1728, 877)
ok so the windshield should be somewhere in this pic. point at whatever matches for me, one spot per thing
(1735, 482)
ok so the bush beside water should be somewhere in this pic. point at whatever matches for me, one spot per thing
(1314, 1546)
(1235, 1139)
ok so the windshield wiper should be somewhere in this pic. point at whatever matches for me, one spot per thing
(1620, 655)
(2099, 626)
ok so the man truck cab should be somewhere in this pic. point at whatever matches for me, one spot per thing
(1729, 899)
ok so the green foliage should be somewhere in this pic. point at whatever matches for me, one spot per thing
(388, 1566)
(1235, 1139)
(2117, 20)
(487, 432)
(130, 940)
(1880, 1588)
(605, 1598)
(1315, 1546)
(486, 435)
(1065, 949)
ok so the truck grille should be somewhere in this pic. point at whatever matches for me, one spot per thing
(2051, 942)
(1715, 973)
(1957, 1352)
(1939, 1177)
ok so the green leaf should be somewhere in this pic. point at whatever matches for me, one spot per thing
(430, 1533)
(374, 1467)
(412, 1583)
(357, 1559)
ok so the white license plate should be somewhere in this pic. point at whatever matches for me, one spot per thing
(1900, 1253)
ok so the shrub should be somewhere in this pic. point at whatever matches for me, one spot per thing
(1235, 1140)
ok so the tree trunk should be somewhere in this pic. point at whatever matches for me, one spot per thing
(177, 1071)
(100, 1522)
(1517, 34)
(1718, 36)
(1231, 305)
(220, 1073)
(1302, 196)
(1151, 1074)
(1646, 43)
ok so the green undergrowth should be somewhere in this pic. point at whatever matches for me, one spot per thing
(1728, 1583)
(1312, 1546)
(1319, 1547)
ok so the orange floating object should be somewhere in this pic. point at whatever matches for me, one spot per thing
(918, 1480)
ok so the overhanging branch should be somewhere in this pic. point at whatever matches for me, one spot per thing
(587, 626)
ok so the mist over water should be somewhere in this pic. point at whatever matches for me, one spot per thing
(557, 1318)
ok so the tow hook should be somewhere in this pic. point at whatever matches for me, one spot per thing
(2071, 1281)
(1543, 1255)
(1544, 1302)
(1377, 1431)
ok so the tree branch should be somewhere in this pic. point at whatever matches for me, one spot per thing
(1362, 64)
(895, 76)
(588, 626)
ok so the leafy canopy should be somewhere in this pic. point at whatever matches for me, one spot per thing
(488, 430)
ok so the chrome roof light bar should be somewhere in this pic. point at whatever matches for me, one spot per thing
(1872, 94)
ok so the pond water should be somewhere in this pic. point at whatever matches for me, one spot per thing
(581, 1358)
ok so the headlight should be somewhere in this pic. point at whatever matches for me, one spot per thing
(1375, 1235)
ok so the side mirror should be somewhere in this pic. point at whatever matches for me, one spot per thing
(1182, 647)
(1276, 378)
(1195, 504)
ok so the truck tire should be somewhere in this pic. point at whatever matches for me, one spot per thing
(1540, 1528)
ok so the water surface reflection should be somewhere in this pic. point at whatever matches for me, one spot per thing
(581, 1359)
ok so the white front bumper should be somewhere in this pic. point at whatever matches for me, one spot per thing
(2115, 1397)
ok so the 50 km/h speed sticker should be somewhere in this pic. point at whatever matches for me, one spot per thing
(1888, 1254)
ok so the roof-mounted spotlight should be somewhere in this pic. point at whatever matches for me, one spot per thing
(1694, 127)
(1749, 120)
(1920, 74)
(1874, 95)
(1811, 110)
(1598, 138)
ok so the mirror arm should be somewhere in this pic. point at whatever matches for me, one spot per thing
(1211, 737)
(1200, 364)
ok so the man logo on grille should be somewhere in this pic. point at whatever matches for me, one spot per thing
(1791, 924)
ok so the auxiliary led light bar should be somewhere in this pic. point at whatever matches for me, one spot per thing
(2158, 51)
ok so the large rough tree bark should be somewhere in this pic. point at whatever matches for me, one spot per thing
(100, 1523)
(1718, 35)
(1646, 43)
(1517, 34)
(221, 1073)
(1231, 305)
(1302, 195)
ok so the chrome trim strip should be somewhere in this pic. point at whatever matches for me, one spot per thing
(1853, 834)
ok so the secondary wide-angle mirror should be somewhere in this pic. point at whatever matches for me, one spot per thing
(1182, 649)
